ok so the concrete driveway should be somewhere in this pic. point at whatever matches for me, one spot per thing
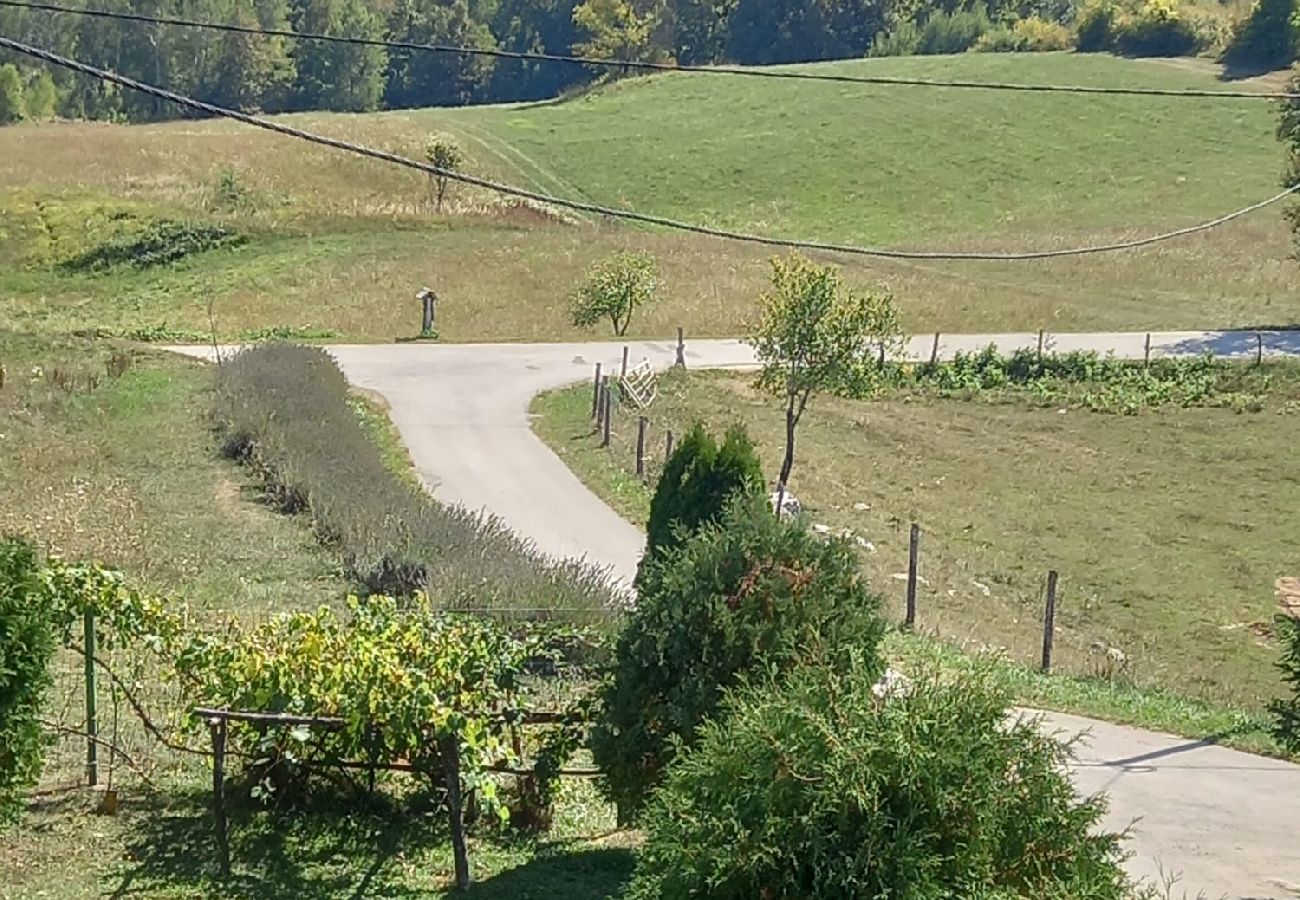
(1227, 821)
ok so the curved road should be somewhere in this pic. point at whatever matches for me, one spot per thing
(1229, 822)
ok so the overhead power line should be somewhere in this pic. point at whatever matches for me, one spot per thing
(612, 212)
(636, 65)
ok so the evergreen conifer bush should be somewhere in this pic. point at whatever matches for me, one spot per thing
(745, 596)
(816, 787)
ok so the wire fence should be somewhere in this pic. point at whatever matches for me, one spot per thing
(966, 590)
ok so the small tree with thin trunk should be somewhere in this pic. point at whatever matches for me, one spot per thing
(814, 335)
(614, 288)
(444, 155)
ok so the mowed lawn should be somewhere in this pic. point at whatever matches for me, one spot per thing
(1169, 528)
(339, 245)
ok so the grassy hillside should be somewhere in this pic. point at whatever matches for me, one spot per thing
(339, 245)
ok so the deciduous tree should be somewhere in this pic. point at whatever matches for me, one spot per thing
(614, 289)
(815, 335)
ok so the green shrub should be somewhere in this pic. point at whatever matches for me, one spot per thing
(1041, 36)
(1031, 35)
(1096, 27)
(1268, 38)
(27, 642)
(902, 40)
(821, 789)
(1158, 28)
(747, 595)
(1286, 712)
(953, 32)
(697, 482)
(156, 244)
(283, 410)
(12, 105)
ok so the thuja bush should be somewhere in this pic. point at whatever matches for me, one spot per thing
(815, 787)
(1286, 711)
(27, 642)
(283, 410)
(697, 482)
(744, 595)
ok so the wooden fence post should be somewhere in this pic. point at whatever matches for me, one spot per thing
(595, 394)
(609, 415)
(880, 358)
(92, 722)
(1049, 621)
(668, 446)
(455, 809)
(640, 445)
(601, 391)
(1259, 349)
(913, 559)
(1146, 352)
(934, 351)
(681, 348)
(1041, 337)
(217, 726)
(623, 372)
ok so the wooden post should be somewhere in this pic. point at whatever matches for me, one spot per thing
(681, 348)
(1049, 621)
(1146, 352)
(640, 445)
(913, 558)
(218, 727)
(455, 809)
(880, 359)
(426, 322)
(609, 415)
(1259, 349)
(92, 723)
(623, 372)
(934, 351)
(1041, 336)
(668, 446)
(595, 394)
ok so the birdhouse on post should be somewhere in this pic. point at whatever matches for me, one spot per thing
(429, 301)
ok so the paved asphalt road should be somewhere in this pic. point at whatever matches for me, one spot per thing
(1228, 821)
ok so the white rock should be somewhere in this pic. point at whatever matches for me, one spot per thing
(892, 684)
(790, 506)
(821, 529)
(866, 544)
(862, 507)
(982, 588)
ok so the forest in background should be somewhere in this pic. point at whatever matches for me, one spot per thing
(275, 74)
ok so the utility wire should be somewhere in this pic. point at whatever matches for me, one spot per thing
(651, 66)
(596, 209)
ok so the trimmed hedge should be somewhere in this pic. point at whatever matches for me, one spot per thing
(283, 410)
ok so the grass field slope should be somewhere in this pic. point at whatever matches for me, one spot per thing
(338, 245)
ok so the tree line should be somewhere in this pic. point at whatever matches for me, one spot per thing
(270, 74)
(276, 74)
